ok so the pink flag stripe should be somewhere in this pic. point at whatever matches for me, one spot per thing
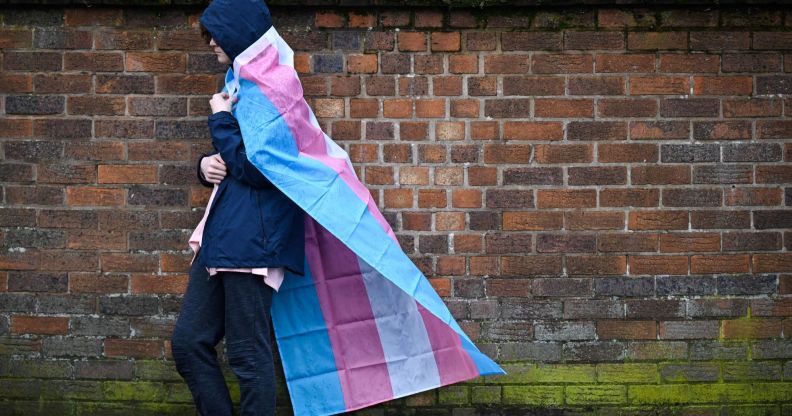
(353, 332)
(453, 362)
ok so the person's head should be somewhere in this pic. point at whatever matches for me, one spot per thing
(231, 26)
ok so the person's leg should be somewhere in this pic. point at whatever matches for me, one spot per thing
(198, 329)
(248, 342)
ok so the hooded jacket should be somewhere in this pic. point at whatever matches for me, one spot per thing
(251, 223)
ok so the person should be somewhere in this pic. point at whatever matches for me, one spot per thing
(250, 236)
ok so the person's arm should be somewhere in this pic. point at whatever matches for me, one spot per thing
(201, 177)
(227, 140)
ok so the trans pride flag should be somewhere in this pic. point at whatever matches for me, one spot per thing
(363, 325)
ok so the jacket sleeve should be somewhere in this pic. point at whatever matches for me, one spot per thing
(227, 140)
(201, 177)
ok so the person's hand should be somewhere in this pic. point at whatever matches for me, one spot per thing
(221, 102)
(213, 168)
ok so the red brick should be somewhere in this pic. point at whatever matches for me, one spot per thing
(94, 196)
(463, 64)
(658, 220)
(159, 284)
(737, 263)
(465, 108)
(45, 325)
(466, 198)
(156, 62)
(450, 221)
(430, 108)
(566, 198)
(133, 348)
(432, 198)
(363, 108)
(412, 41)
(634, 63)
(92, 16)
(564, 108)
(446, 41)
(657, 85)
(484, 130)
(506, 64)
(127, 174)
(530, 221)
(527, 130)
(362, 63)
(329, 19)
(449, 176)
(428, 18)
(698, 63)
(627, 152)
(723, 85)
(397, 108)
(650, 265)
(398, 198)
(619, 329)
(563, 153)
(362, 20)
(657, 40)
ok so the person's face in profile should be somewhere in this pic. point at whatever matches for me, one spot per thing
(221, 55)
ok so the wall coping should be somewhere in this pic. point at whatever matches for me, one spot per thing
(406, 3)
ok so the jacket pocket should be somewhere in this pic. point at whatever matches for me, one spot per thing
(262, 217)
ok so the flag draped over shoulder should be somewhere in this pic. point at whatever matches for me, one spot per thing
(363, 325)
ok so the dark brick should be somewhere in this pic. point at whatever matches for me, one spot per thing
(509, 198)
(564, 287)
(34, 104)
(692, 197)
(328, 63)
(204, 63)
(33, 61)
(35, 238)
(517, 308)
(751, 241)
(72, 347)
(533, 176)
(345, 40)
(690, 107)
(723, 173)
(747, 284)
(685, 285)
(158, 197)
(37, 282)
(100, 326)
(62, 39)
(690, 372)
(774, 84)
(33, 151)
(593, 351)
(615, 175)
(104, 369)
(507, 108)
(689, 153)
(596, 130)
(433, 243)
(698, 308)
(772, 219)
(565, 243)
(654, 308)
(128, 305)
(624, 286)
(718, 350)
(752, 152)
(181, 130)
(71, 303)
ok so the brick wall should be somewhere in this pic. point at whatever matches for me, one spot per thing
(601, 195)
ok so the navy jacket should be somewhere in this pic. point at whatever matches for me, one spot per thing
(251, 223)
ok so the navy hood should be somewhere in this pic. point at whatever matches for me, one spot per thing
(236, 24)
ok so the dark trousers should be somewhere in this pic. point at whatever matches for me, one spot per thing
(236, 305)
